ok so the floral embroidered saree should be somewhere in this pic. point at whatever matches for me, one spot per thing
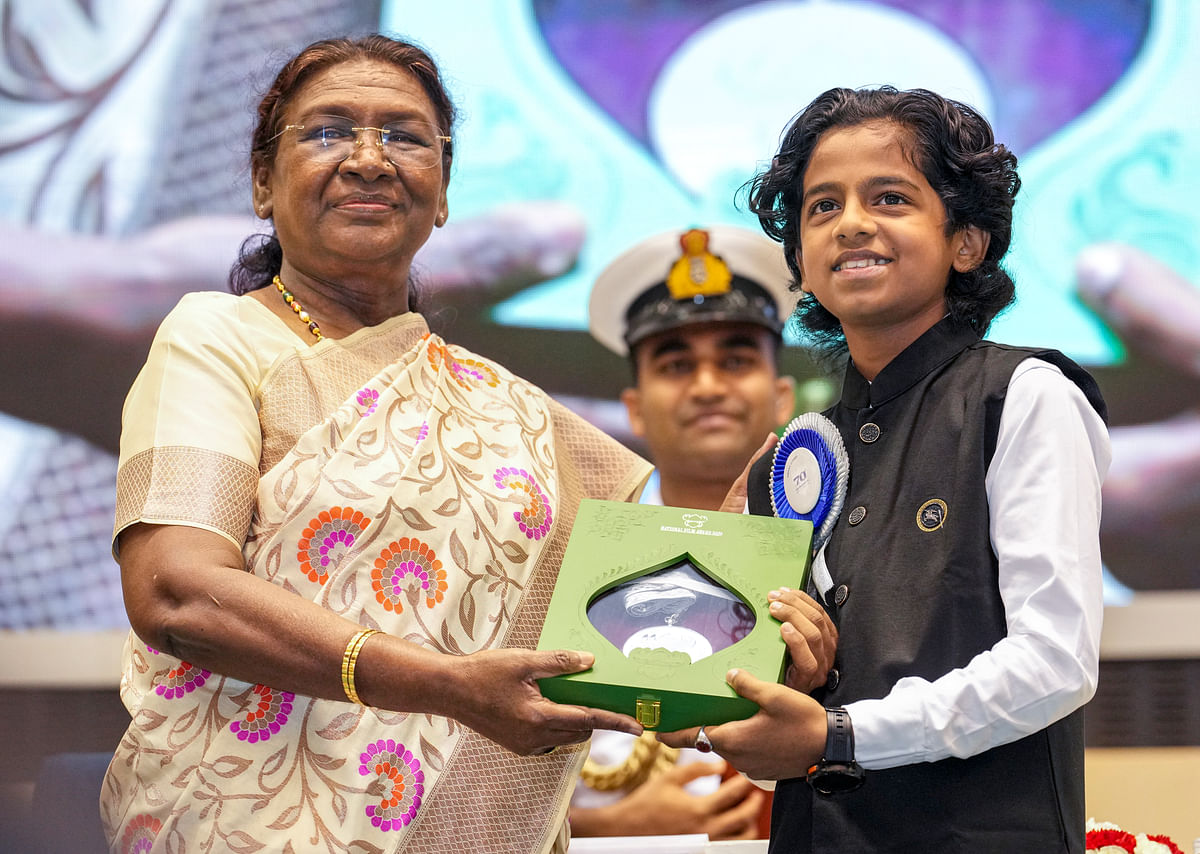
(396, 480)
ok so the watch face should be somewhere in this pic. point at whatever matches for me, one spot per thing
(677, 608)
(834, 778)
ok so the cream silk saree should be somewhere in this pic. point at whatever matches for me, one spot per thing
(396, 480)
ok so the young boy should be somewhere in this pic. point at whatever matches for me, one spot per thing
(964, 572)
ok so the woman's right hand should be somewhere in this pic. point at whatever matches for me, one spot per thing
(497, 695)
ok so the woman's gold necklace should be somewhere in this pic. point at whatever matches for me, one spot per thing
(300, 312)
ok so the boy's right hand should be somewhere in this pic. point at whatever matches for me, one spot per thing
(780, 741)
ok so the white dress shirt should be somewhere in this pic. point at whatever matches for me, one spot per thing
(1043, 489)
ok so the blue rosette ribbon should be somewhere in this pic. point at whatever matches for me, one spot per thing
(809, 474)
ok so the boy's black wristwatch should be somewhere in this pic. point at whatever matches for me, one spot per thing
(837, 771)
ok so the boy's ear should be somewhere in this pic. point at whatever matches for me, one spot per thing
(970, 247)
(804, 288)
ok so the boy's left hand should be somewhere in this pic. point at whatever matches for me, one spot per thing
(782, 740)
(810, 635)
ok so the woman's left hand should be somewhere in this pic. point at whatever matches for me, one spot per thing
(782, 740)
(495, 692)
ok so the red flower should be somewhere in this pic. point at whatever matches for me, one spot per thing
(1097, 839)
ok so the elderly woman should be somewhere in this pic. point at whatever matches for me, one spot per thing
(337, 533)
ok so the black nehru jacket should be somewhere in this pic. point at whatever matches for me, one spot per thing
(915, 602)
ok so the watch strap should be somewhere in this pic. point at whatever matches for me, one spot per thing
(837, 772)
(839, 740)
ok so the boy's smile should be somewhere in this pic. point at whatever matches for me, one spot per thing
(859, 260)
(873, 244)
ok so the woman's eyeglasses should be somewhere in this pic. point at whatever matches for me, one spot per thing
(407, 144)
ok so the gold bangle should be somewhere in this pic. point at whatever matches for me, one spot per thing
(350, 659)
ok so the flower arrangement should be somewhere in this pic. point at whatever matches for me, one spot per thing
(1104, 837)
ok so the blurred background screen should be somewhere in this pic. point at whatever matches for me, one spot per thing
(123, 183)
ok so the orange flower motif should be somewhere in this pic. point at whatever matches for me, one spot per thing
(140, 834)
(408, 569)
(328, 537)
(466, 372)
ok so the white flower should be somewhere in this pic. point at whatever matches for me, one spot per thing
(1146, 846)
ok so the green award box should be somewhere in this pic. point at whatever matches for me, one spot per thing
(669, 599)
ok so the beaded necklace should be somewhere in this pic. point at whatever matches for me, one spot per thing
(300, 312)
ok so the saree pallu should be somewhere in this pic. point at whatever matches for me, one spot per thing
(433, 502)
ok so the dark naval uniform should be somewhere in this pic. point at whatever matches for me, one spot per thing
(916, 594)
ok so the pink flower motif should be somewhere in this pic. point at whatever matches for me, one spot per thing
(262, 719)
(140, 834)
(535, 517)
(423, 432)
(181, 680)
(369, 398)
(470, 371)
(397, 780)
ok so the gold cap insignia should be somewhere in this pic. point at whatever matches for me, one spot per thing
(697, 272)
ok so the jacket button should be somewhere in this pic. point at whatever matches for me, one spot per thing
(833, 679)
(869, 432)
(857, 515)
(841, 595)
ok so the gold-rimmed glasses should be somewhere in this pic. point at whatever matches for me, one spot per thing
(406, 143)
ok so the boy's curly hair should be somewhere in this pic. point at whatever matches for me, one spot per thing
(953, 147)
